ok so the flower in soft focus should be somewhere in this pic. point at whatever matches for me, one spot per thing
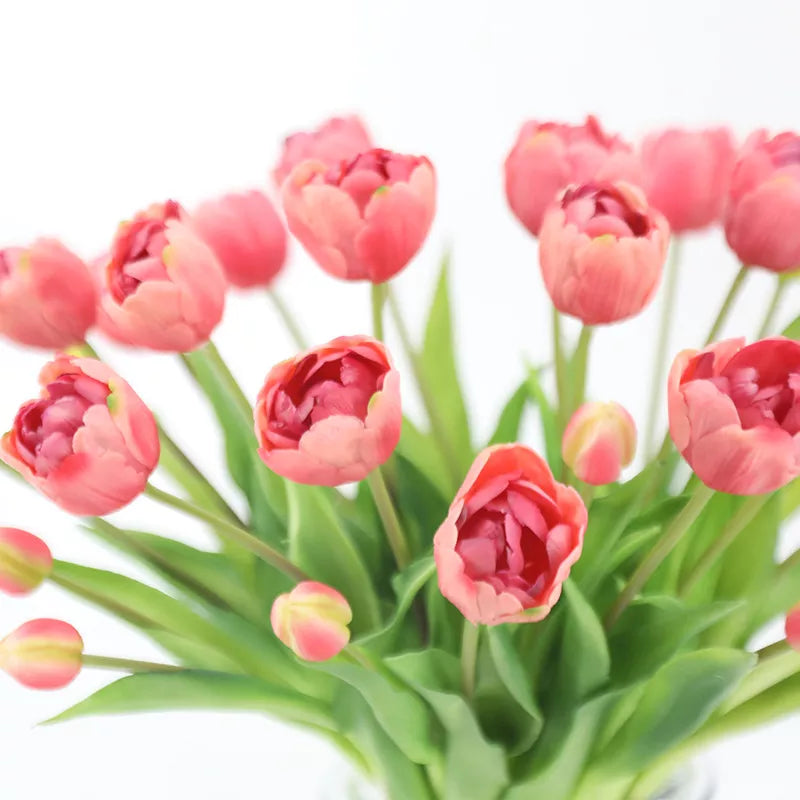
(42, 654)
(246, 235)
(549, 156)
(601, 251)
(47, 295)
(598, 442)
(332, 414)
(362, 219)
(511, 536)
(686, 175)
(163, 287)
(792, 627)
(312, 621)
(89, 443)
(764, 203)
(337, 139)
(734, 413)
(25, 561)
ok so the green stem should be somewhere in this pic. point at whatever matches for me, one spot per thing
(232, 532)
(388, 515)
(657, 390)
(469, 657)
(127, 664)
(580, 368)
(226, 376)
(662, 548)
(735, 525)
(772, 309)
(378, 294)
(288, 319)
(727, 304)
(561, 373)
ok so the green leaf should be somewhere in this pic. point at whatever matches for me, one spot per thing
(508, 424)
(319, 545)
(438, 365)
(420, 449)
(776, 598)
(547, 418)
(792, 330)
(586, 663)
(189, 689)
(790, 499)
(475, 769)
(676, 701)
(512, 672)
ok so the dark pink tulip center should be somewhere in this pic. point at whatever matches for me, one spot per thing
(45, 428)
(785, 149)
(760, 403)
(504, 542)
(136, 251)
(601, 209)
(320, 388)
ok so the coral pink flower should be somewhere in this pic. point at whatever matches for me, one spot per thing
(601, 250)
(25, 561)
(163, 288)
(246, 235)
(598, 442)
(89, 443)
(338, 139)
(42, 654)
(510, 539)
(687, 174)
(312, 621)
(332, 414)
(47, 295)
(734, 413)
(793, 628)
(764, 203)
(363, 219)
(549, 156)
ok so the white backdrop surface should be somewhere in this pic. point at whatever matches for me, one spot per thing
(108, 106)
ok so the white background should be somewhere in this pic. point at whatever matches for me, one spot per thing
(108, 106)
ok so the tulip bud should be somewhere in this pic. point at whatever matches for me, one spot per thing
(42, 654)
(598, 442)
(793, 628)
(312, 621)
(25, 561)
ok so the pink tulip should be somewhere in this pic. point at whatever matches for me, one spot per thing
(25, 561)
(163, 288)
(89, 443)
(549, 156)
(734, 413)
(42, 654)
(792, 626)
(510, 539)
(363, 219)
(332, 414)
(246, 235)
(601, 251)
(312, 621)
(687, 174)
(598, 442)
(47, 295)
(764, 204)
(337, 139)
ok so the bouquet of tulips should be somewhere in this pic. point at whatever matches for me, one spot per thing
(468, 621)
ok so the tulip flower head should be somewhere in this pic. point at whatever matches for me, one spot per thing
(792, 627)
(25, 561)
(42, 654)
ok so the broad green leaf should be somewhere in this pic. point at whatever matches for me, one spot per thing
(319, 545)
(511, 670)
(781, 594)
(547, 419)
(508, 424)
(768, 672)
(676, 701)
(439, 368)
(420, 449)
(444, 619)
(475, 769)
(189, 689)
(193, 654)
(790, 499)
(792, 330)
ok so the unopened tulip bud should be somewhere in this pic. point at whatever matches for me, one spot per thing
(312, 621)
(42, 654)
(793, 628)
(598, 442)
(25, 561)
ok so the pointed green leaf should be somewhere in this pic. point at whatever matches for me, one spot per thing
(547, 418)
(511, 670)
(508, 424)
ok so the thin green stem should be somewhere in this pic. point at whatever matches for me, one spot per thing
(469, 657)
(772, 309)
(232, 532)
(127, 664)
(727, 304)
(227, 377)
(378, 296)
(735, 525)
(561, 373)
(288, 318)
(660, 550)
(586, 491)
(389, 517)
(658, 389)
